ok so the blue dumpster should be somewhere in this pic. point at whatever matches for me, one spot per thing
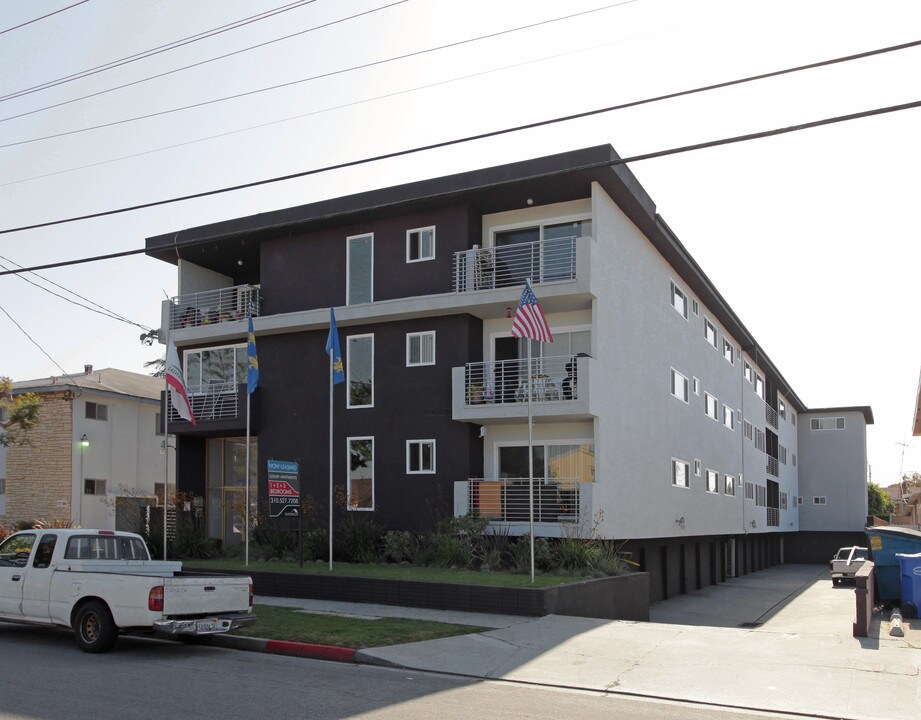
(885, 542)
(910, 566)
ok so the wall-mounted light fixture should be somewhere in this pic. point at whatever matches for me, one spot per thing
(508, 311)
(84, 441)
(754, 524)
(680, 521)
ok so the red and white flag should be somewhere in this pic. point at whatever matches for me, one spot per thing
(175, 381)
(529, 319)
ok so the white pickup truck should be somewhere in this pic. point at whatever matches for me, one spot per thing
(846, 562)
(102, 583)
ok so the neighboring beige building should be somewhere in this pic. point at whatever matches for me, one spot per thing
(97, 451)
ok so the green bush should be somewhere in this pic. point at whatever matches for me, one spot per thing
(576, 555)
(273, 540)
(316, 544)
(359, 539)
(519, 555)
(399, 546)
(451, 552)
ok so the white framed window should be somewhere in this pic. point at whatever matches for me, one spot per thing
(215, 368)
(94, 487)
(360, 462)
(782, 408)
(695, 307)
(819, 500)
(729, 417)
(729, 485)
(679, 386)
(420, 348)
(697, 468)
(680, 474)
(749, 491)
(97, 411)
(759, 439)
(710, 333)
(828, 423)
(420, 457)
(696, 386)
(359, 269)
(728, 352)
(759, 386)
(793, 418)
(782, 454)
(712, 407)
(420, 244)
(713, 481)
(360, 372)
(760, 496)
(799, 500)
(783, 501)
(747, 372)
(748, 430)
(679, 300)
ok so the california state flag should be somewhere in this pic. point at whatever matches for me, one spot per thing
(175, 381)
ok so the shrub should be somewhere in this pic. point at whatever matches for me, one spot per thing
(359, 539)
(399, 546)
(575, 555)
(316, 544)
(273, 539)
(451, 552)
(519, 554)
(612, 560)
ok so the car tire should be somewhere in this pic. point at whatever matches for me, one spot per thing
(94, 630)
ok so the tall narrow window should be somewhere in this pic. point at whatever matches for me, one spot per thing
(728, 352)
(680, 474)
(361, 371)
(759, 386)
(679, 385)
(713, 481)
(710, 332)
(420, 244)
(711, 406)
(420, 349)
(729, 417)
(680, 301)
(420, 456)
(361, 473)
(729, 485)
(360, 269)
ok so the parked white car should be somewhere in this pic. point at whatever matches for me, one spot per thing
(101, 583)
(846, 562)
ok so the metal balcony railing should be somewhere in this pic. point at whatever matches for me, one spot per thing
(770, 416)
(773, 466)
(510, 265)
(506, 381)
(508, 500)
(213, 306)
(773, 517)
(214, 401)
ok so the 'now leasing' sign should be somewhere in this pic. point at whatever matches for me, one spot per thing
(284, 488)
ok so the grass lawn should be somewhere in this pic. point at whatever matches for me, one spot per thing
(392, 572)
(292, 624)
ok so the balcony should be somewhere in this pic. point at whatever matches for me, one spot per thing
(212, 307)
(773, 466)
(218, 407)
(510, 265)
(558, 388)
(557, 501)
(770, 416)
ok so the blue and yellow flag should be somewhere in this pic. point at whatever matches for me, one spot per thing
(332, 347)
(252, 366)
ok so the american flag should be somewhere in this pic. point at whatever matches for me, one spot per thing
(529, 319)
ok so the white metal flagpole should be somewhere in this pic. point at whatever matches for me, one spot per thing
(246, 508)
(165, 437)
(530, 389)
(331, 371)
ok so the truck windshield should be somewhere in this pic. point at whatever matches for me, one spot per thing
(105, 547)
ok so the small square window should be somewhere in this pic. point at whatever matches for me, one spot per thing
(420, 456)
(94, 487)
(819, 500)
(97, 411)
(420, 244)
(420, 349)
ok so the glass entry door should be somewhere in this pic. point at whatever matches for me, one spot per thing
(227, 488)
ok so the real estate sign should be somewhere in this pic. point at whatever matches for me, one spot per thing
(284, 488)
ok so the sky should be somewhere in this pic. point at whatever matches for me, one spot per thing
(812, 236)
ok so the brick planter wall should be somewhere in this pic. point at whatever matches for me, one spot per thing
(624, 597)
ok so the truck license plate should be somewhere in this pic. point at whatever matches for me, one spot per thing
(208, 626)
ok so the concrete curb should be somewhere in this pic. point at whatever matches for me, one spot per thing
(285, 647)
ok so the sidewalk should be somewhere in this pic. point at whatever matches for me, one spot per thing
(800, 656)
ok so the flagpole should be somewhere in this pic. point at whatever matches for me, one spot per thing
(331, 370)
(165, 435)
(530, 388)
(246, 508)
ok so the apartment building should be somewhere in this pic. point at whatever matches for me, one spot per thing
(657, 417)
(96, 457)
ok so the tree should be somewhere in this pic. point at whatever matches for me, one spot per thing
(878, 501)
(912, 479)
(18, 414)
(158, 365)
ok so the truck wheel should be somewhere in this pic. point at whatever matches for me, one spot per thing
(94, 630)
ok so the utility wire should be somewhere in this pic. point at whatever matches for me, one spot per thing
(201, 62)
(35, 343)
(155, 51)
(395, 93)
(101, 311)
(332, 73)
(447, 143)
(29, 22)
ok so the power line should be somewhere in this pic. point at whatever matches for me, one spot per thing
(332, 73)
(354, 103)
(29, 22)
(156, 51)
(197, 64)
(447, 143)
(101, 311)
